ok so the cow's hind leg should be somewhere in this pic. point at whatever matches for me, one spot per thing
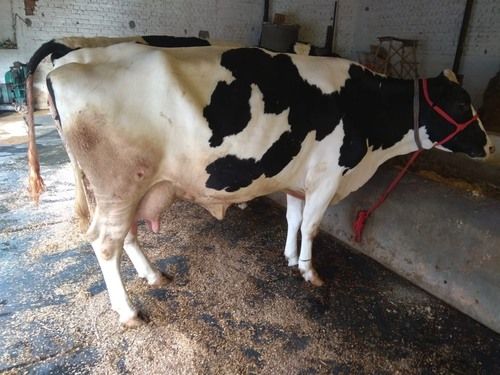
(107, 234)
(317, 201)
(294, 207)
(141, 263)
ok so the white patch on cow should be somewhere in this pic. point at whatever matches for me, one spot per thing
(177, 65)
(275, 125)
(329, 74)
(490, 145)
(325, 154)
(425, 141)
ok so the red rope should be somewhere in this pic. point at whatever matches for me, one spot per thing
(363, 215)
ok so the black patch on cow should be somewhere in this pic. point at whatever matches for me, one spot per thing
(376, 112)
(282, 88)
(231, 173)
(174, 41)
(229, 111)
(56, 50)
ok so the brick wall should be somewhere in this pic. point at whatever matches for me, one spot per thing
(435, 23)
(234, 20)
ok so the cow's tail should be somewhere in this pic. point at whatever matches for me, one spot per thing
(35, 182)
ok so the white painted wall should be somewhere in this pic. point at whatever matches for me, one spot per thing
(435, 23)
(6, 31)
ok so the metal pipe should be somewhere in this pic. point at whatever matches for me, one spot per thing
(330, 42)
(266, 11)
(462, 35)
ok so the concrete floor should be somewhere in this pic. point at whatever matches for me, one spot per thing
(234, 306)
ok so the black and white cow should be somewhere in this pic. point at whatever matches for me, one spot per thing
(223, 126)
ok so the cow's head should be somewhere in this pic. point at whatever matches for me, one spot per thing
(445, 92)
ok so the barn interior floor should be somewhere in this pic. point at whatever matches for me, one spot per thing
(233, 307)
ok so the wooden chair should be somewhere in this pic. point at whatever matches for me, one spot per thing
(396, 57)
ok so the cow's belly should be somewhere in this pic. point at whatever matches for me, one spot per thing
(194, 187)
(187, 169)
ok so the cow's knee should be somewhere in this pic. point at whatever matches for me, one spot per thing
(108, 248)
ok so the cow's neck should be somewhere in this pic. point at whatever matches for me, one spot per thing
(381, 107)
(377, 117)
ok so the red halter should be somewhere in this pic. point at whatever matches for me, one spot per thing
(363, 215)
(458, 126)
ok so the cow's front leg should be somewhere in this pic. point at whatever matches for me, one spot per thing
(294, 208)
(141, 263)
(106, 234)
(316, 203)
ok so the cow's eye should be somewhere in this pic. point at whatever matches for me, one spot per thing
(462, 107)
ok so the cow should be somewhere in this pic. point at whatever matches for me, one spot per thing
(220, 126)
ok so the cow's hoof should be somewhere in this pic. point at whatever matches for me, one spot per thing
(292, 261)
(312, 277)
(134, 322)
(161, 279)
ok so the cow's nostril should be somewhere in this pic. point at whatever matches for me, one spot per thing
(492, 149)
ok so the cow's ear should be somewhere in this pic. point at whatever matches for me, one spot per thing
(448, 73)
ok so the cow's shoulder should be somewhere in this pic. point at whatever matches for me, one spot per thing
(377, 112)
